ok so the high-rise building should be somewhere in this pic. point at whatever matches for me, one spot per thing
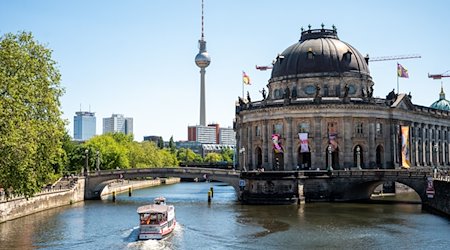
(202, 134)
(118, 123)
(84, 124)
(202, 60)
(211, 134)
(227, 136)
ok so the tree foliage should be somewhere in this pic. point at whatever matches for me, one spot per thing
(187, 155)
(213, 157)
(227, 155)
(31, 128)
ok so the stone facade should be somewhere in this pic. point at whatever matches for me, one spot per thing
(329, 98)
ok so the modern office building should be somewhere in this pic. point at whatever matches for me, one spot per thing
(227, 136)
(117, 123)
(84, 125)
(203, 134)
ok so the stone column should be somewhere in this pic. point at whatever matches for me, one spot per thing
(371, 161)
(317, 156)
(416, 144)
(424, 153)
(288, 159)
(265, 152)
(347, 143)
(394, 141)
(250, 151)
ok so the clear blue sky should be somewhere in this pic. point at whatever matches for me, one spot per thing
(137, 57)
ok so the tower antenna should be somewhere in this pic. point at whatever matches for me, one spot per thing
(203, 33)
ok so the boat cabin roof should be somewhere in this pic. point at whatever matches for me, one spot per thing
(147, 209)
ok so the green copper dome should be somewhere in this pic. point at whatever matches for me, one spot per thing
(442, 103)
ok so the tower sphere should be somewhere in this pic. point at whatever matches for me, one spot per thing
(202, 59)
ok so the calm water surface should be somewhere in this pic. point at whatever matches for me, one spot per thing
(225, 224)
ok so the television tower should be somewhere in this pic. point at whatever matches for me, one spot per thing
(202, 60)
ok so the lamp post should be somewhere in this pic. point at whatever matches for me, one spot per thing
(242, 151)
(86, 162)
(330, 167)
(436, 148)
(98, 161)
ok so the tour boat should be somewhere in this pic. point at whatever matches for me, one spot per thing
(156, 220)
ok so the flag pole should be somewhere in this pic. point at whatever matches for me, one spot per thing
(243, 89)
(398, 91)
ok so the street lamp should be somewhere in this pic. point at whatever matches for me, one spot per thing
(86, 162)
(98, 161)
(330, 167)
(242, 151)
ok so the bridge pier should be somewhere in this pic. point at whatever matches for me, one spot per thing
(291, 187)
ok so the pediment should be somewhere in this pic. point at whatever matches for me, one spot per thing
(403, 101)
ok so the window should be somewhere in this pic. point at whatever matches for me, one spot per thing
(257, 131)
(310, 54)
(359, 128)
(278, 128)
(303, 127)
(347, 57)
(332, 128)
(379, 128)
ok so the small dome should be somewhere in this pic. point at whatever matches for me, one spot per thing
(319, 51)
(442, 103)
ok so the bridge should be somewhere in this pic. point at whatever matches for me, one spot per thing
(96, 181)
(279, 187)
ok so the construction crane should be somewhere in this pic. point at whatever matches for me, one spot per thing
(439, 76)
(389, 58)
(374, 59)
(263, 68)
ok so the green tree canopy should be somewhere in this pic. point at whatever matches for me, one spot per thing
(213, 157)
(187, 155)
(113, 150)
(31, 128)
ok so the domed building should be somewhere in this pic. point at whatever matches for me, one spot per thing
(442, 103)
(320, 113)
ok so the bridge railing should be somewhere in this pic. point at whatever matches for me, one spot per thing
(184, 170)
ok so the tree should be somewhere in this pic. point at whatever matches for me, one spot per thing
(172, 146)
(31, 128)
(186, 155)
(113, 154)
(213, 157)
(227, 155)
(160, 143)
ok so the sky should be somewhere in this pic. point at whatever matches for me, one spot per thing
(136, 58)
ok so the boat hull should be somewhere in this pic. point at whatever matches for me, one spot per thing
(147, 232)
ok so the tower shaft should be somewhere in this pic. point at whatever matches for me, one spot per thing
(202, 98)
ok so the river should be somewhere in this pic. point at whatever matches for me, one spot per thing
(226, 224)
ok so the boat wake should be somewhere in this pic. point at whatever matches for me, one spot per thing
(165, 243)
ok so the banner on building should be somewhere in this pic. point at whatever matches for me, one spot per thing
(406, 154)
(332, 141)
(304, 147)
(276, 140)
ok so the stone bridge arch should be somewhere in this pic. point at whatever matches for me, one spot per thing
(96, 182)
(359, 185)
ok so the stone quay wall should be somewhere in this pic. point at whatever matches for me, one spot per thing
(122, 186)
(440, 203)
(57, 196)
